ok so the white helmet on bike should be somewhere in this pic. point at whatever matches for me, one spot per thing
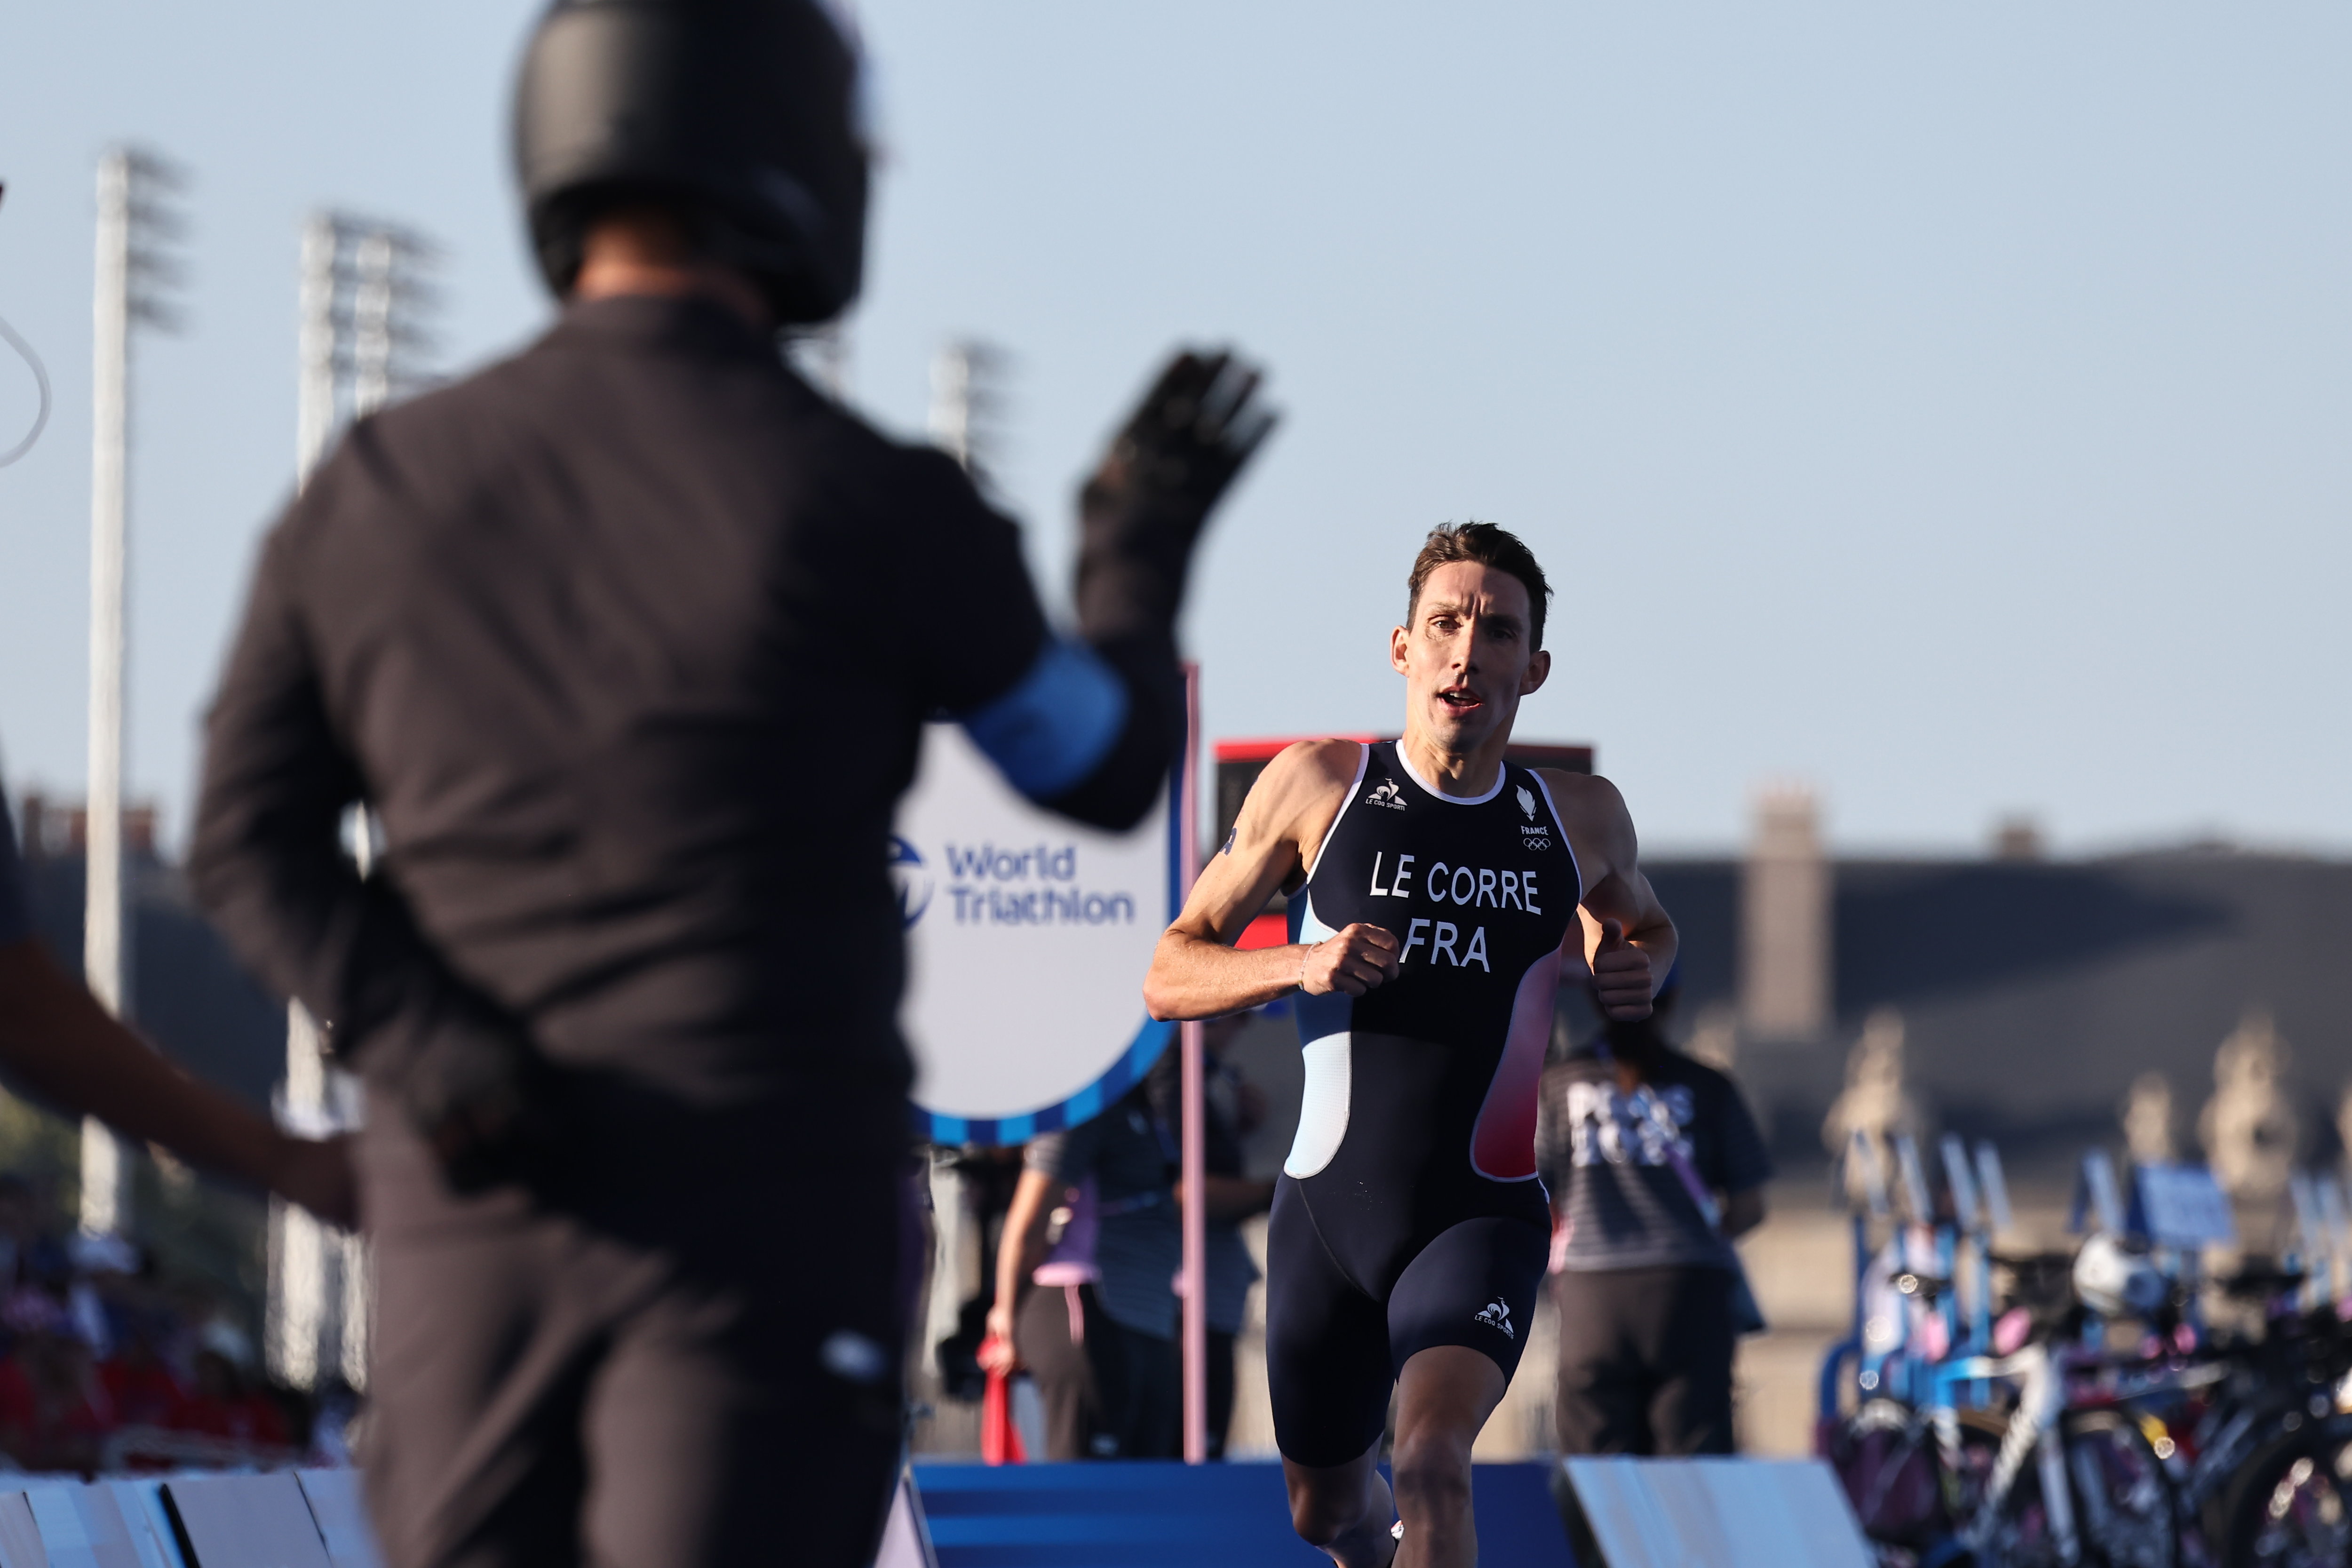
(2116, 1280)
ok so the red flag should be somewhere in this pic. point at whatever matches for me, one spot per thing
(1000, 1436)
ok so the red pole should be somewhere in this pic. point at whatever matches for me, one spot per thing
(1195, 1213)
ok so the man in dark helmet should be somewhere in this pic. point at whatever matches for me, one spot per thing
(627, 642)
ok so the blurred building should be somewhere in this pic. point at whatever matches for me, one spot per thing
(188, 993)
(2033, 995)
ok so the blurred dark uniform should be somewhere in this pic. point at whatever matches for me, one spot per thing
(629, 642)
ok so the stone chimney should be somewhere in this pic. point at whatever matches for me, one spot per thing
(1784, 922)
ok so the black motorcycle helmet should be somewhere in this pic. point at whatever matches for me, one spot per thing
(741, 114)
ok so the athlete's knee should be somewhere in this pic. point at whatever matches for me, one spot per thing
(1431, 1470)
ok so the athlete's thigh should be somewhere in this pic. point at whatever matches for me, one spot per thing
(757, 1417)
(1327, 1345)
(1473, 1285)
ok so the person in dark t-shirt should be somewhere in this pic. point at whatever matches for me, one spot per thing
(1654, 1165)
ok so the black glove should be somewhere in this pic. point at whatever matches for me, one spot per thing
(1141, 513)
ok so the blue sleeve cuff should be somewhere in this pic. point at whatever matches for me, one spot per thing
(1056, 724)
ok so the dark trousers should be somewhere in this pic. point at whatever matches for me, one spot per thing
(1117, 1394)
(1064, 1367)
(615, 1372)
(1221, 1392)
(1645, 1361)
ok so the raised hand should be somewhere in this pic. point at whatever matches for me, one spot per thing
(1142, 511)
(1621, 975)
(1352, 962)
(1188, 437)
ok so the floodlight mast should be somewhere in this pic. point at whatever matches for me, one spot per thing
(134, 226)
(967, 394)
(364, 295)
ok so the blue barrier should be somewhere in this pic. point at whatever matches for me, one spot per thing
(1120, 1515)
(1149, 1514)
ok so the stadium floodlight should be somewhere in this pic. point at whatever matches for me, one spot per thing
(138, 272)
(366, 298)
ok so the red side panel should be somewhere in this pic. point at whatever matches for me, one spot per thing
(1266, 751)
(1267, 931)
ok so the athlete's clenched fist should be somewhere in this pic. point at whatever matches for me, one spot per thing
(1354, 960)
(1621, 975)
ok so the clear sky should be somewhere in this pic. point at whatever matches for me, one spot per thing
(1946, 405)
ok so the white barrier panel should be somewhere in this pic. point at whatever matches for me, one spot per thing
(342, 1514)
(85, 1526)
(248, 1522)
(906, 1539)
(1027, 937)
(60, 1522)
(1713, 1513)
(20, 1538)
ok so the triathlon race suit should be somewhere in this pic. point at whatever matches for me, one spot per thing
(1409, 1214)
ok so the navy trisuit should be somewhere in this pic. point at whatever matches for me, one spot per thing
(1409, 1214)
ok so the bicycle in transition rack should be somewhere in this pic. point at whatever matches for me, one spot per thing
(2025, 1440)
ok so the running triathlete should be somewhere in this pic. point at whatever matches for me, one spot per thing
(1436, 897)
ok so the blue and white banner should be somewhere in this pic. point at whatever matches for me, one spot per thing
(1027, 938)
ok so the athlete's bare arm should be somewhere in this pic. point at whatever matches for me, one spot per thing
(1629, 941)
(1196, 972)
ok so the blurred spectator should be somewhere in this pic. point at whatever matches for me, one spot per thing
(1654, 1165)
(178, 1386)
(1086, 1302)
(1121, 1318)
(54, 1413)
(140, 1385)
(1055, 1350)
(224, 1402)
(988, 1177)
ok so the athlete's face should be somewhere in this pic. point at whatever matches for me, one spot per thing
(1465, 659)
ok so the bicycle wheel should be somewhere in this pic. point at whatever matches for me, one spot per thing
(2119, 1495)
(2019, 1535)
(2292, 1507)
(2124, 1502)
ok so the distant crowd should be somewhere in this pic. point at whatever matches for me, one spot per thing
(106, 1366)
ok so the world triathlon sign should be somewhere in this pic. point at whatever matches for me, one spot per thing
(1027, 937)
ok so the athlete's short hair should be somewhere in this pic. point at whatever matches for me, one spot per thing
(1488, 546)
